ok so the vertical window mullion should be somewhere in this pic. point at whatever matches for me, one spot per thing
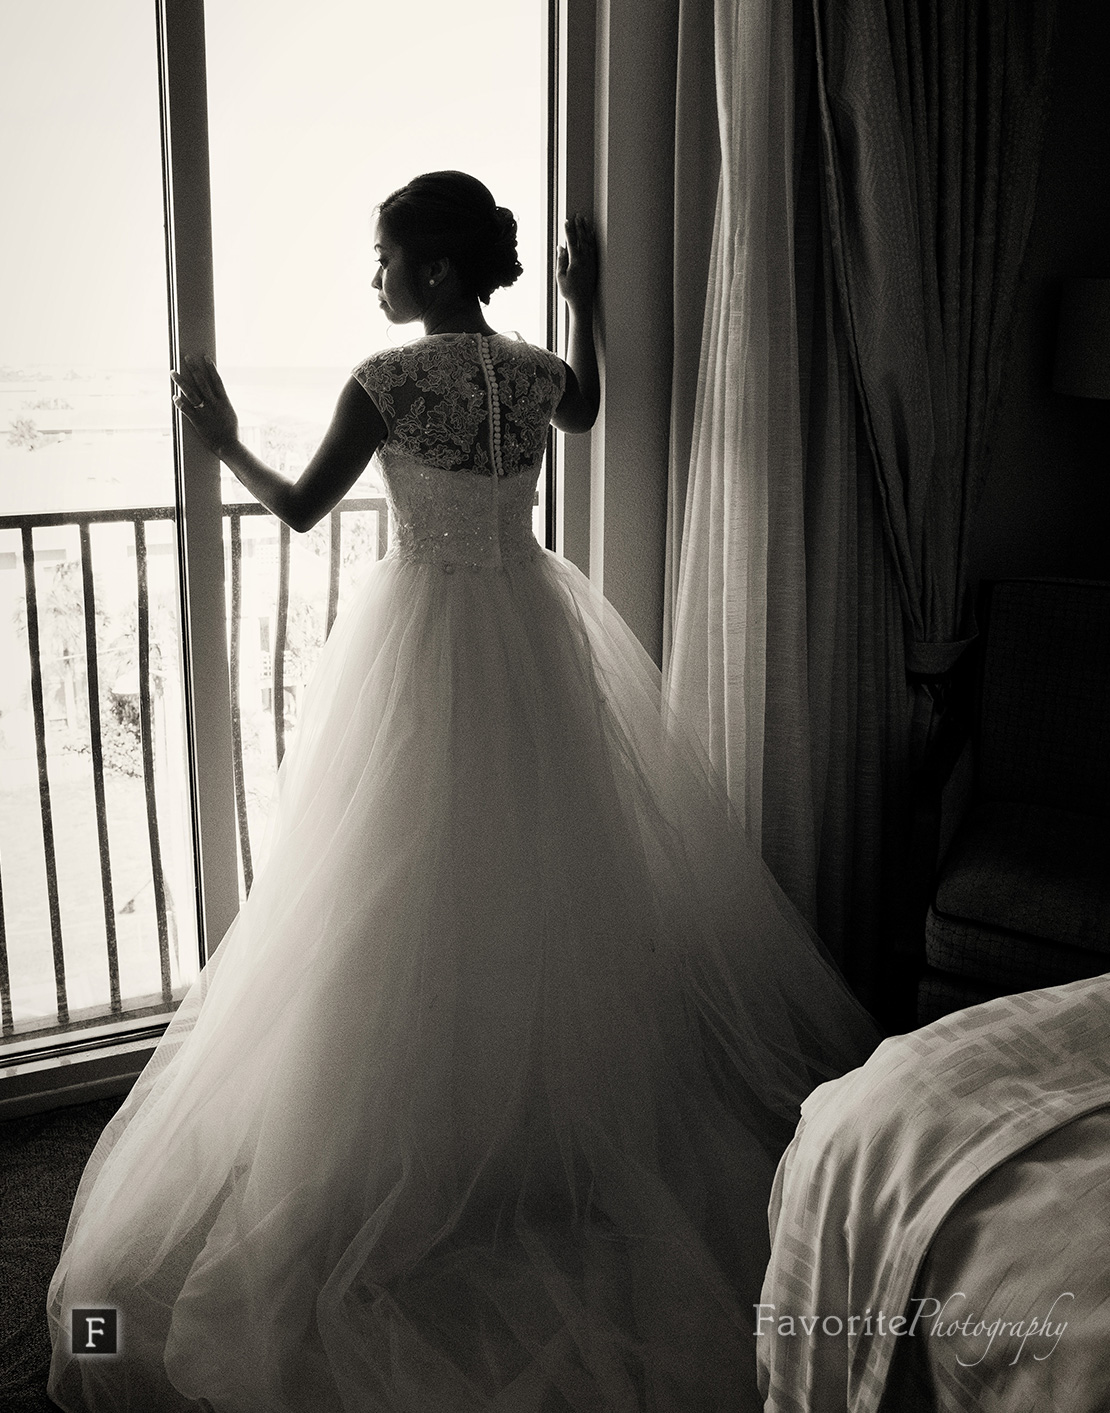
(554, 123)
(184, 114)
(581, 109)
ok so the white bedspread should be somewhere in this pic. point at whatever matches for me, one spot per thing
(884, 1155)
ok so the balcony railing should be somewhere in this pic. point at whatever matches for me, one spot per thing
(85, 625)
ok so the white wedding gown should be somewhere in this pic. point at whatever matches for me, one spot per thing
(478, 1103)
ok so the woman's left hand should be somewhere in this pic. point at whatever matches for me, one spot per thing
(201, 397)
(576, 264)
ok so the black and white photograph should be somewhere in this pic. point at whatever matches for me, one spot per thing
(555, 706)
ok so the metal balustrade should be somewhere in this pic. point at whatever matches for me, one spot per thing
(119, 1006)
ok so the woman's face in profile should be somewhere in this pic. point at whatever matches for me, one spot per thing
(395, 280)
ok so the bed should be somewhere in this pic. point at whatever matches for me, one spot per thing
(940, 1223)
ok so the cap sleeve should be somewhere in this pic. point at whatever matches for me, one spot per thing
(379, 375)
(558, 371)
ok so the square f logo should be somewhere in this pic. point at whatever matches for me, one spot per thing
(93, 1331)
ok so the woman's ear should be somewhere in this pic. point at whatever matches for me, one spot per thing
(436, 271)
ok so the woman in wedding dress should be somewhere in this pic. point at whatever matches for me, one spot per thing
(478, 1103)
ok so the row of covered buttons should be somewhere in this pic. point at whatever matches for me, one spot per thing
(494, 404)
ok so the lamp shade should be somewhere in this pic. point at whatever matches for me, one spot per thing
(1083, 340)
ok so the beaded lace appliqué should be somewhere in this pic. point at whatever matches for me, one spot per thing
(458, 404)
(433, 397)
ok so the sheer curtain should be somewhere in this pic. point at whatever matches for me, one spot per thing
(785, 640)
(737, 661)
(877, 168)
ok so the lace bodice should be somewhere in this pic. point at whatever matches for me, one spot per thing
(467, 418)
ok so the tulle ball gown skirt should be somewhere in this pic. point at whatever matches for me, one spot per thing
(477, 1104)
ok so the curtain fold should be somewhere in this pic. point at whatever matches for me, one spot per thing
(933, 116)
(859, 702)
(697, 170)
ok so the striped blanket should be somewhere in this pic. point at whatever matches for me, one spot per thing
(978, 1142)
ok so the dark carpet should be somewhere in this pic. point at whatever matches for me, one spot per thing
(42, 1157)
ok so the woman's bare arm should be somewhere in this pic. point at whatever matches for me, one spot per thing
(355, 433)
(576, 272)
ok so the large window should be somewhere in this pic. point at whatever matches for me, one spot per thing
(133, 777)
(96, 867)
(316, 113)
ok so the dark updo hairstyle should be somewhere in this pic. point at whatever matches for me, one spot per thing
(449, 215)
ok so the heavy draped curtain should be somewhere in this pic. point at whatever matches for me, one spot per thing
(932, 117)
(875, 172)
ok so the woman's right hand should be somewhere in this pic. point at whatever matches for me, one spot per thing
(201, 397)
(576, 264)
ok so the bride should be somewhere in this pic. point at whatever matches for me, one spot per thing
(478, 1103)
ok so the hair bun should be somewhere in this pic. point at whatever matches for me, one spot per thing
(454, 215)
